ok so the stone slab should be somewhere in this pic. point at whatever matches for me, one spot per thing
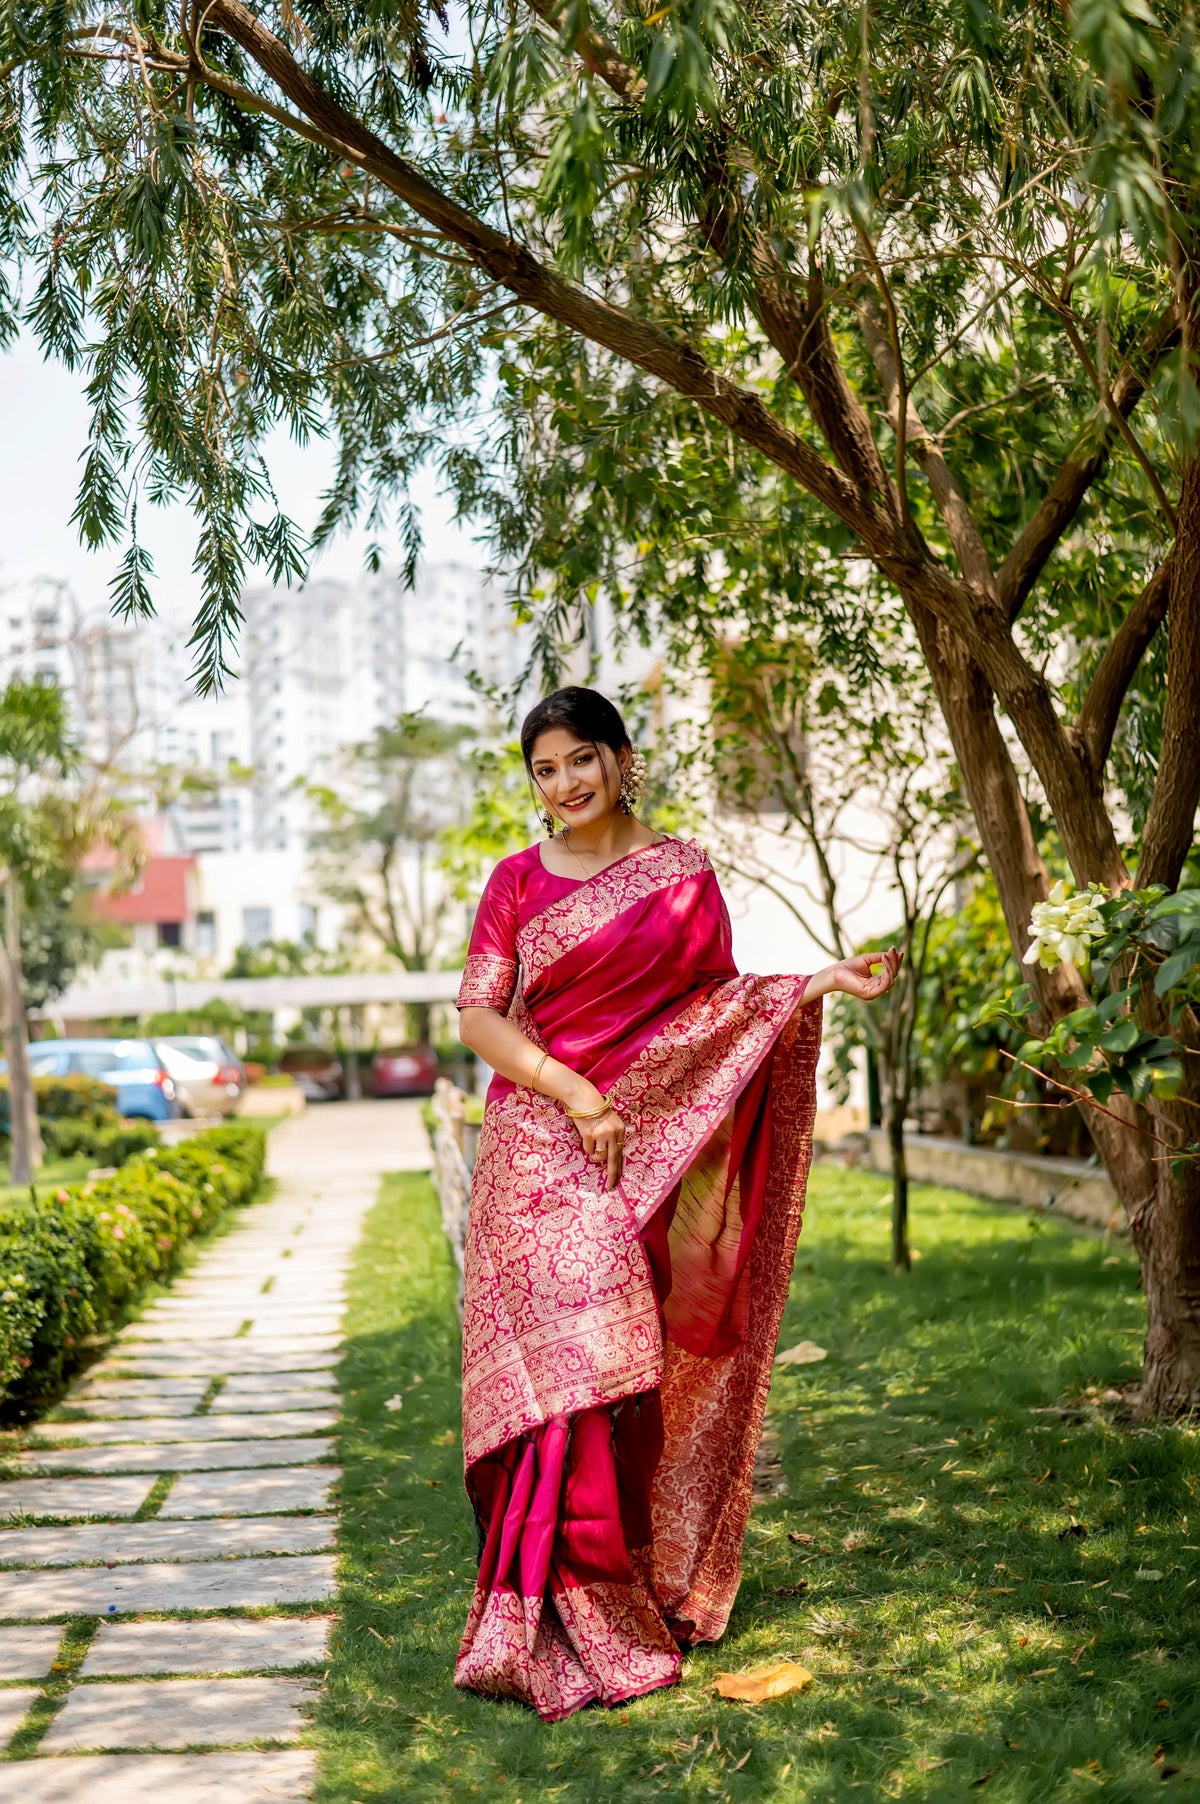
(262, 1331)
(283, 1777)
(211, 1362)
(185, 1357)
(177, 1713)
(107, 1387)
(126, 1544)
(241, 1645)
(230, 1402)
(202, 1585)
(251, 1384)
(73, 1497)
(250, 1493)
(122, 1409)
(179, 1456)
(26, 1652)
(14, 1702)
(227, 1427)
(205, 1327)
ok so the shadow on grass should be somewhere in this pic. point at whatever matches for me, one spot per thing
(997, 1600)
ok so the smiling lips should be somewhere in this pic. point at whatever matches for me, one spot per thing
(580, 801)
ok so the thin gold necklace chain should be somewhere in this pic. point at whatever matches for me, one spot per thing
(565, 837)
(574, 854)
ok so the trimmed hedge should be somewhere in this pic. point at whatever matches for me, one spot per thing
(105, 1143)
(71, 1262)
(66, 1098)
(78, 1118)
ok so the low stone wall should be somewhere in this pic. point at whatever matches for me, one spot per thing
(1067, 1186)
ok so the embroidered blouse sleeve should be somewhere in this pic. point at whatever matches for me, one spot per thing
(490, 976)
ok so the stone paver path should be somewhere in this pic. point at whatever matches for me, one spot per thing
(192, 1470)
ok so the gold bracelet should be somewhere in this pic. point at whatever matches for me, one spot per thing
(590, 1114)
(538, 1071)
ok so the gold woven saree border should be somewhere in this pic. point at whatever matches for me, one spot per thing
(488, 981)
(570, 921)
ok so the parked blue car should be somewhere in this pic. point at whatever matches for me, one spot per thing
(132, 1067)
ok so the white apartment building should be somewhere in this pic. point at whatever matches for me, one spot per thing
(318, 668)
(326, 665)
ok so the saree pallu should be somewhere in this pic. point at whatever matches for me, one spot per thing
(617, 1345)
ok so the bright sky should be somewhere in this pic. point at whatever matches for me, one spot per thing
(43, 433)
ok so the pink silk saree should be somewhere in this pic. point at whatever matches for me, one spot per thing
(617, 1345)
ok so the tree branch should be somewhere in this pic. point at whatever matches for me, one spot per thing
(1101, 707)
(514, 267)
(1062, 500)
(796, 324)
(951, 502)
(1171, 823)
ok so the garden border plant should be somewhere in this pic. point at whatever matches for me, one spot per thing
(78, 1118)
(72, 1262)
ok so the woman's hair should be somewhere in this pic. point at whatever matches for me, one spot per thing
(584, 712)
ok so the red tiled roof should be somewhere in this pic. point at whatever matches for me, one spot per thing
(163, 892)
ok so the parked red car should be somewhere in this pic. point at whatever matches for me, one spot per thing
(404, 1071)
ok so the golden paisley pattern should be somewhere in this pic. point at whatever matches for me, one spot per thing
(713, 1408)
(584, 1643)
(559, 1308)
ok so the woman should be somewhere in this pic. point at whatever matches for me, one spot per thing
(634, 1213)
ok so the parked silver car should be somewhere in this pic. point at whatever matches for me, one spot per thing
(208, 1077)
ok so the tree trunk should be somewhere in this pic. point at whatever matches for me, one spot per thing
(901, 1255)
(26, 1139)
(1163, 1210)
(1166, 1233)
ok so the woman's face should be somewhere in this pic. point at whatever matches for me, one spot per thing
(578, 780)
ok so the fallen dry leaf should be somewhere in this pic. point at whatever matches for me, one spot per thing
(804, 1353)
(763, 1683)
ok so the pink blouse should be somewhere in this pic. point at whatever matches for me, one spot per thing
(519, 888)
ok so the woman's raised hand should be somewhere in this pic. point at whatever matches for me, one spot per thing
(855, 976)
(604, 1143)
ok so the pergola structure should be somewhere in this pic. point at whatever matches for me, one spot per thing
(168, 995)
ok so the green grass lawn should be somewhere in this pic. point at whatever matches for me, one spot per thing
(48, 1177)
(989, 1570)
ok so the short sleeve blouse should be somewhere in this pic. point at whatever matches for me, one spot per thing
(519, 888)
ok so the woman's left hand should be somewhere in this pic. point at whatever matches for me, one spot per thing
(855, 977)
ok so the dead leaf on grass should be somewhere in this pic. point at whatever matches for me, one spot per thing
(763, 1683)
(804, 1353)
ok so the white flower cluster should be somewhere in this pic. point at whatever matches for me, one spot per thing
(1064, 926)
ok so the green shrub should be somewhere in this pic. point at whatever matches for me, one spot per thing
(66, 1099)
(106, 1143)
(71, 1262)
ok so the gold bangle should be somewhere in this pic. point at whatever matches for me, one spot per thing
(590, 1114)
(538, 1071)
